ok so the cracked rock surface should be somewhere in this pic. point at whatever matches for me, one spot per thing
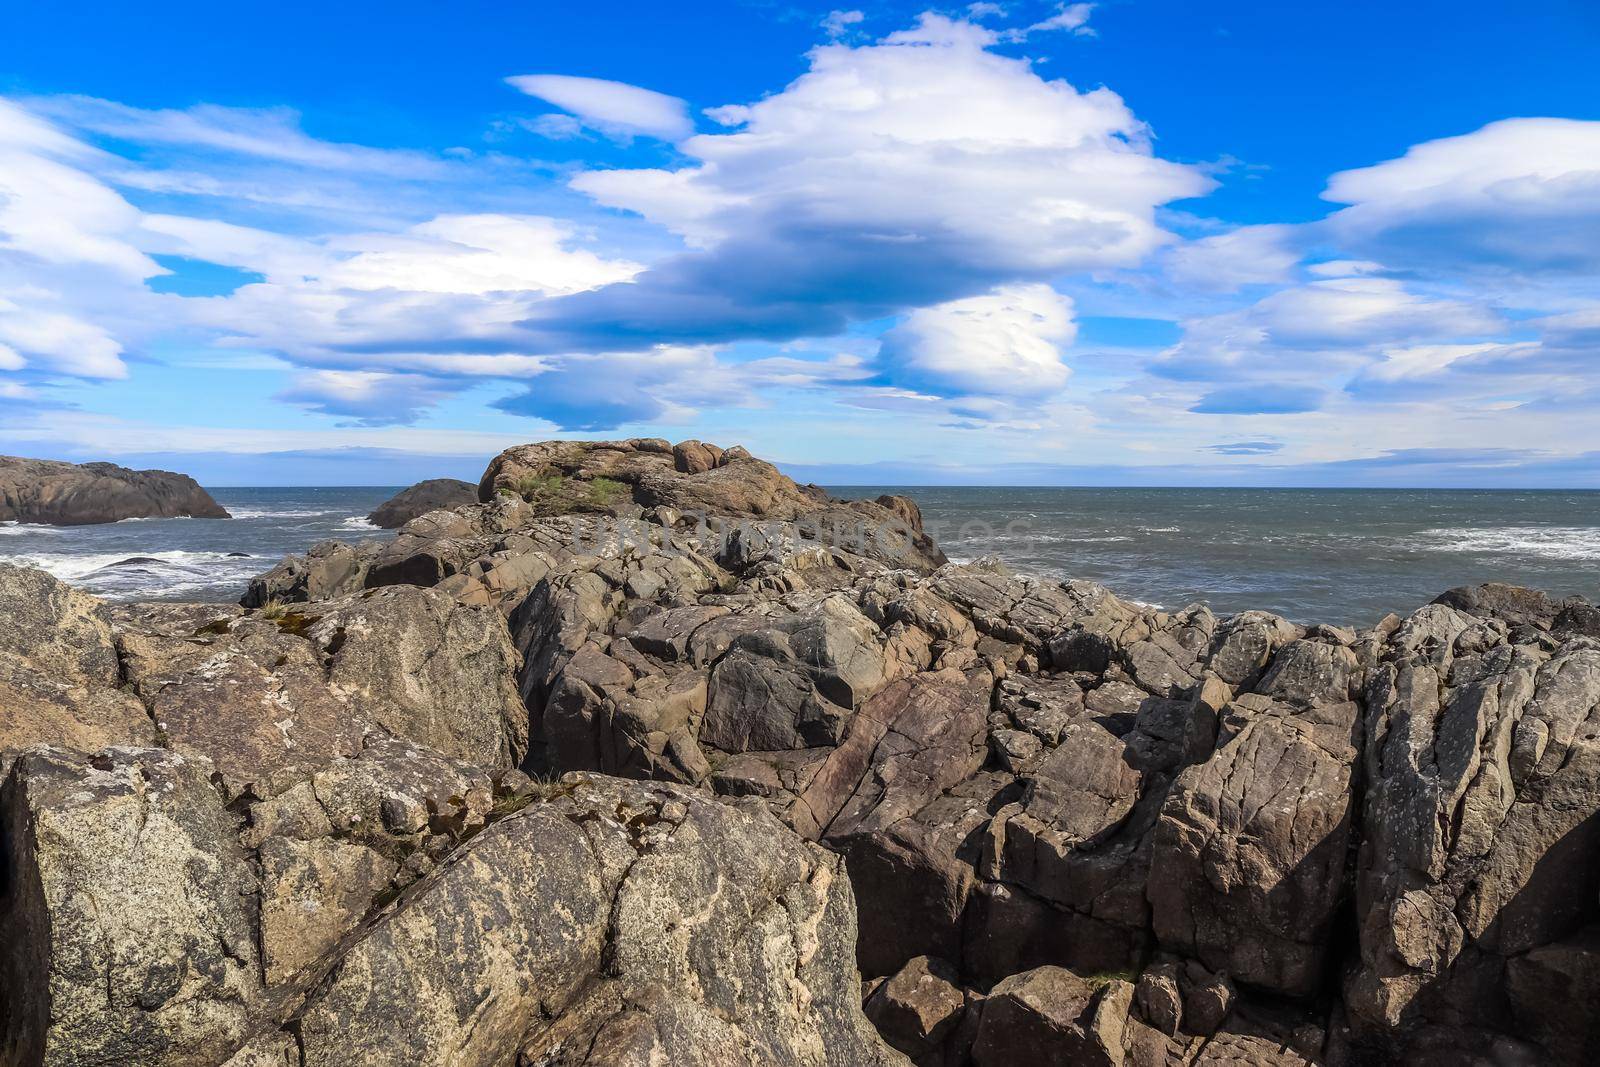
(652, 756)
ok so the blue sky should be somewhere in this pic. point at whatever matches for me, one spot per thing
(1116, 243)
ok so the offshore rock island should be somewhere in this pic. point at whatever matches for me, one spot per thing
(651, 755)
(72, 494)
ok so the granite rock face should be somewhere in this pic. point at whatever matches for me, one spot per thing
(556, 779)
(74, 494)
(434, 494)
(60, 680)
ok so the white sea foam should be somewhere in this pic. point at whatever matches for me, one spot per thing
(1543, 542)
(265, 513)
(11, 528)
(358, 522)
(165, 573)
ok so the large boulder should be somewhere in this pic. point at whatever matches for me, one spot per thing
(127, 913)
(72, 494)
(1050, 1015)
(59, 677)
(700, 482)
(918, 1007)
(434, 494)
(328, 569)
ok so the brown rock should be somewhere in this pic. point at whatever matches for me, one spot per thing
(918, 1007)
(72, 494)
(1050, 1015)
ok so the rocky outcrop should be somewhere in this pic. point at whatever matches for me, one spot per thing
(434, 494)
(596, 922)
(73, 494)
(60, 680)
(260, 693)
(621, 786)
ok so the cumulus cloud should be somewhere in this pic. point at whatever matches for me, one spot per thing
(1007, 343)
(1517, 196)
(917, 170)
(613, 108)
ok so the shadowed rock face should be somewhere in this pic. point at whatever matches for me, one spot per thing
(432, 495)
(1044, 823)
(72, 494)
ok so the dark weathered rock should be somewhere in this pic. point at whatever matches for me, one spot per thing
(1050, 1015)
(1481, 824)
(1250, 850)
(328, 569)
(73, 494)
(434, 494)
(918, 1007)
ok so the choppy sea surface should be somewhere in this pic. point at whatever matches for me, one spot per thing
(1315, 555)
(195, 559)
(1342, 556)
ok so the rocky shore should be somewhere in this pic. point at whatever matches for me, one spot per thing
(653, 756)
(431, 495)
(74, 494)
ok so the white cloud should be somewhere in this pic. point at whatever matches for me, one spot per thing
(1359, 311)
(262, 133)
(1517, 196)
(920, 169)
(1004, 344)
(613, 108)
(477, 254)
(837, 23)
(53, 212)
(34, 334)
(923, 138)
(556, 126)
(1429, 361)
(1311, 337)
(1071, 18)
(1250, 255)
(371, 398)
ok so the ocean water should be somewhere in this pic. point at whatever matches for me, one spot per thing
(195, 559)
(1314, 555)
(1342, 556)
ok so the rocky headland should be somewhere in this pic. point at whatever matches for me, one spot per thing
(433, 494)
(80, 494)
(651, 755)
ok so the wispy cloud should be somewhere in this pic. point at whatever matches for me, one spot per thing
(611, 107)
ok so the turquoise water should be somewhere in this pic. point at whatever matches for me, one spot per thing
(1340, 556)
